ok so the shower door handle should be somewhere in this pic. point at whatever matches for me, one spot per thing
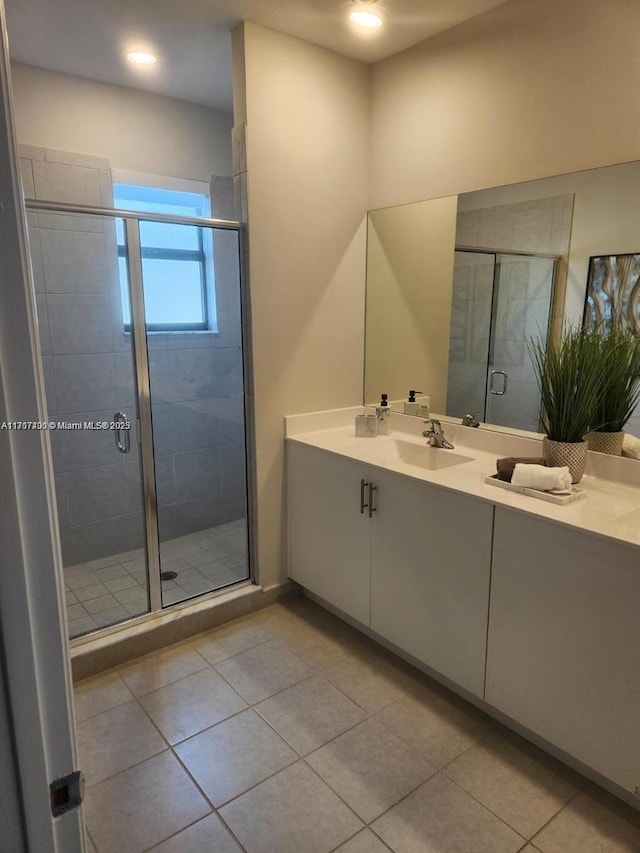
(122, 432)
(504, 384)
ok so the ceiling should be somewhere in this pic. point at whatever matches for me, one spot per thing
(191, 37)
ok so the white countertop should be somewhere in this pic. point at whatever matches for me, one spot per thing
(610, 509)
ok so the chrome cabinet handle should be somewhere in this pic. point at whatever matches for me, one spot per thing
(363, 505)
(372, 508)
(505, 380)
(122, 431)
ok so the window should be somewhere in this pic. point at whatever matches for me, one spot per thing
(177, 260)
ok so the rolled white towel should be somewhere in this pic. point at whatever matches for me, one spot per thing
(542, 478)
(631, 446)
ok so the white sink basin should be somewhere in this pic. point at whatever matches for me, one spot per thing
(423, 456)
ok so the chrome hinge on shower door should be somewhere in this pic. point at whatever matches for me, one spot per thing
(66, 793)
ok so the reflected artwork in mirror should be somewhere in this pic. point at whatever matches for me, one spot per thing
(613, 292)
(458, 286)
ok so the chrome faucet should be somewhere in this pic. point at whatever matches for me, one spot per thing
(435, 435)
(470, 421)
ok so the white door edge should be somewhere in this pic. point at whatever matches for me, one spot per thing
(33, 636)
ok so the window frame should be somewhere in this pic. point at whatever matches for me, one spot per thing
(200, 255)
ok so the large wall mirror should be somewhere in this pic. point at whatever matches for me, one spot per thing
(457, 286)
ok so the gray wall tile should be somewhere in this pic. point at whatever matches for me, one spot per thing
(163, 431)
(108, 536)
(71, 222)
(85, 382)
(106, 492)
(195, 425)
(49, 384)
(165, 480)
(61, 501)
(72, 184)
(159, 377)
(230, 419)
(76, 262)
(125, 379)
(35, 253)
(43, 323)
(71, 158)
(79, 323)
(232, 467)
(31, 152)
(197, 474)
(88, 448)
(26, 177)
(193, 373)
(228, 372)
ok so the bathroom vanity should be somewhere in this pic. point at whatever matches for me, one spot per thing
(527, 608)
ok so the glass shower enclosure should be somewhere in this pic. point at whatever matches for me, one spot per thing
(500, 300)
(140, 321)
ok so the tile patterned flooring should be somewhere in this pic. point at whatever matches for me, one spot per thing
(287, 731)
(112, 589)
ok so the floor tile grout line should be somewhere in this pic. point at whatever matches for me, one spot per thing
(496, 727)
(339, 796)
(322, 745)
(529, 840)
(553, 817)
(356, 834)
(485, 806)
(110, 778)
(213, 811)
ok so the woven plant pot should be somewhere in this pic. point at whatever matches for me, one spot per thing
(558, 454)
(606, 442)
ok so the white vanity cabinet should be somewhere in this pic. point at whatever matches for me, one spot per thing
(564, 641)
(430, 574)
(416, 570)
(329, 538)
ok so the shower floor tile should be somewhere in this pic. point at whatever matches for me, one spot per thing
(109, 590)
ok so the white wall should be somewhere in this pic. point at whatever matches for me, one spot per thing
(530, 89)
(134, 130)
(307, 113)
(410, 252)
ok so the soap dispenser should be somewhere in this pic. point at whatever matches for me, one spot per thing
(411, 406)
(383, 415)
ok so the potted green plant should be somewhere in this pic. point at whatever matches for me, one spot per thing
(620, 392)
(570, 374)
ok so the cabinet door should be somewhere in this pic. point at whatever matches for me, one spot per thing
(564, 641)
(329, 539)
(430, 567)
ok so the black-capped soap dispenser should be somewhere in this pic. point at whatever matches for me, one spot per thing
(411, 405)
(383, 414)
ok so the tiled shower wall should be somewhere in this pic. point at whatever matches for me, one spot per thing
(196, 379)
(469, 335)
(542, 226)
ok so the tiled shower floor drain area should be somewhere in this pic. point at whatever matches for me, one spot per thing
(112, 589)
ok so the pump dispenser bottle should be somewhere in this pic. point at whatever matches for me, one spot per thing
(383, 415)
(411, 406)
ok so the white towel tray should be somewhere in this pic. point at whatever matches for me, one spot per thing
(560, 498)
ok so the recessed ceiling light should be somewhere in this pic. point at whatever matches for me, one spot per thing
(139, 57)
(366, 13)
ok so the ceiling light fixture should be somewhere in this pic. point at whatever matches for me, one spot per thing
(139, 57)
(366, 13)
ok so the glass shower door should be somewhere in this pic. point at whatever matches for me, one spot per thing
(191, 285)
(89, 371)
(470, 333)
(521, 309)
